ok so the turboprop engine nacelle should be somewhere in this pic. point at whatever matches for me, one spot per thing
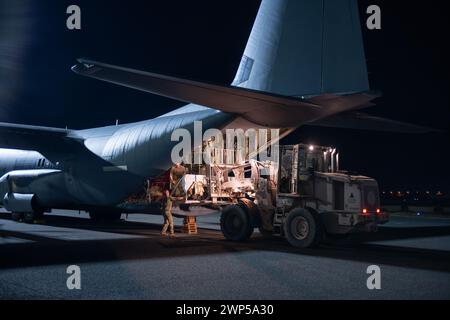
(20, 182)
(23, 203)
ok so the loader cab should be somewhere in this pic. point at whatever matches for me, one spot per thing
(299, 163)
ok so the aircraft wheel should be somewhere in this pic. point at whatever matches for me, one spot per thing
(17, 216)
(32, 217)
(303, 229)
(236, 224)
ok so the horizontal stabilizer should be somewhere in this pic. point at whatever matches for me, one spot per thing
(261, 108)
(362, 121)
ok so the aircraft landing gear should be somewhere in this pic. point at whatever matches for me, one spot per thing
(105, 216)
(33, 217)
(28, 217)
(17, 216)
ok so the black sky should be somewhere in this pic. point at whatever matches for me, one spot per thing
(204, 40)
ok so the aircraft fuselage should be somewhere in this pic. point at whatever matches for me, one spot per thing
(120, 159)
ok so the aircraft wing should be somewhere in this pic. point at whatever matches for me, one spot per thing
(363, 121)
(258, 107)
(50, 142)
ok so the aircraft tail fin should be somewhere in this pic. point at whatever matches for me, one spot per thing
(305, 48)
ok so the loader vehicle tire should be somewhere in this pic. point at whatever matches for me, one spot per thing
(236, 224)
(303, 229)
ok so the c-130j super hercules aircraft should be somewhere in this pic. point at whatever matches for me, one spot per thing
(304, 64)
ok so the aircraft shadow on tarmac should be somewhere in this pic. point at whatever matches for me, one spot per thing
(146, 243)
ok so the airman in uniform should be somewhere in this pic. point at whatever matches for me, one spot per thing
(168, 218)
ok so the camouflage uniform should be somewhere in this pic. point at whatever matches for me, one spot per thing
(168, 218)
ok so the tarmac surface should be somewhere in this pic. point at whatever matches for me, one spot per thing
(130, 260)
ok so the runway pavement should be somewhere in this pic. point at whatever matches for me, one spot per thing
(130, 260)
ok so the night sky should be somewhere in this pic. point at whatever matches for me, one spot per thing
(204, 40)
